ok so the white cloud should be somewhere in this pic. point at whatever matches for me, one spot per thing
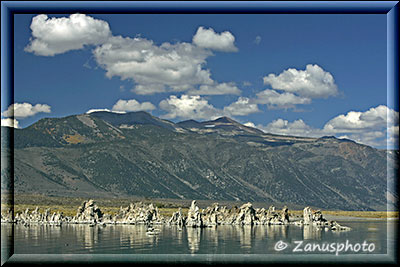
(23, 110)
(377, 126)
(103, 109)
(250, 124)
(356, 121)
(208, 38)
(276, 100)
(149, 89)
(153, 68)
(156, 69)
(298, 86)
(189, 107)
(216, 89)
(295, 128)
(393, 135)
(123, 106)
(53, 36)
(132, 105)
(242, 107)
(313, 82)
(196, 107)
(10, 122)
(257, 41)
(372, 138)
(178, 66)
(393, 130)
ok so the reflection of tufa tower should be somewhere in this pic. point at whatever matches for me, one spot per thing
(277, 231)
(193, 235)
(246, 236)
(312, 232)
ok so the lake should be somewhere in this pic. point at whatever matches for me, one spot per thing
(371, 236)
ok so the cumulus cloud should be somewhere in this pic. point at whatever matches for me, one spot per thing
(377, 126)
(123, 106)
(295, 128)
(373, 138)
(356, 121)
(393, 135)
(242, 107)
(103, 109)
(51, 36)
(196, 107)
(216, 89)
(208, 38)
(154, 68)
(132, 105)
(189, 107)
(23, 110)
(276, 100)
(149, 89)
(313, 82)
(10, 122)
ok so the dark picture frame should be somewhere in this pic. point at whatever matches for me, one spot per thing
(9, 9)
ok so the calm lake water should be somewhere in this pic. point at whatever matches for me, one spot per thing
(225, 239)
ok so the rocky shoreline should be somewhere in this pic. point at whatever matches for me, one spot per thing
(140, 213)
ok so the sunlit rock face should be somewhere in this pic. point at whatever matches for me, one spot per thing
(138, 213)
(35, 217)
(7, 216)
(211, 215)
(194, 218)
(88, 212)
(307, 215)
(246, 215)
(177, 218)
(148, 214)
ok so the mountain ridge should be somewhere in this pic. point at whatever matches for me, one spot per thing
(137, 154)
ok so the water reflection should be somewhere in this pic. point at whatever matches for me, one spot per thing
(7, 240)
(34, 233)
(261, 232)
(177, 231)
(277, 232)
(212, 235)
(193, 236)
(227, 239)
(312, 232)
(245, 236)
(88, 236)
(136, 236)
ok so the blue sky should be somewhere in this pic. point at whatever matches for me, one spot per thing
(307, 75)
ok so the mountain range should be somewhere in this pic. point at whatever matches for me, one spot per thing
(137, 154)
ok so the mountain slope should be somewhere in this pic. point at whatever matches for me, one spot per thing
(132, 118)
(137, 154)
